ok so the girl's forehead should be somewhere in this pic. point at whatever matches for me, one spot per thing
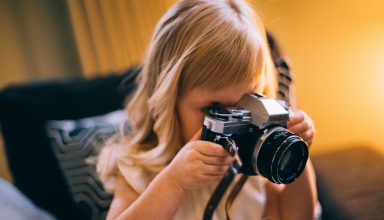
(229, 90)
(228, 96)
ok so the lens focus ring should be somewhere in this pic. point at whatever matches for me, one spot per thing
(280, 155)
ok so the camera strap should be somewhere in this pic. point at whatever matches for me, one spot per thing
(220, 189)
(233, 194)
(218, 193)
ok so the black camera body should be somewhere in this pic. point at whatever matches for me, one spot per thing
(256, 127)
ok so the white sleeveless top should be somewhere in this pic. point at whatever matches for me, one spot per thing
(249, 203)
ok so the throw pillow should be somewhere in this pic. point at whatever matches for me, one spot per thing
(74, 142)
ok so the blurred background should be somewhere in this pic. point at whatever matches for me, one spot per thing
(336, 49)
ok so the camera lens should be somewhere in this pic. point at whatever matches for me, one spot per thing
(291, 161)
(280, 155)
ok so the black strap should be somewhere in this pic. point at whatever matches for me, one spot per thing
(218, 193)
(284, 73)
(233, 194)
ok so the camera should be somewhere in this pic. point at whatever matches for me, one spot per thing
(255, 132)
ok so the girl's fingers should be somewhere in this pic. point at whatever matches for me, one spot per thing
(197, 136)
(296, 117)
(207, 148)
(217, 160)
(301, 124)
(307, 135)
(300, 127)
(309, 142)
(214, 170)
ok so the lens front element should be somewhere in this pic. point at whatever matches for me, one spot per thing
(280, 155)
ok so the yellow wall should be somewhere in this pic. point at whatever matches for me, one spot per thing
(337, 51)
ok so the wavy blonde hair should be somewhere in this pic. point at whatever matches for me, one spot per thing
(196, 44)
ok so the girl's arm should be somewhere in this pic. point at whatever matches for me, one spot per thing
(197, 164)
(160, 200)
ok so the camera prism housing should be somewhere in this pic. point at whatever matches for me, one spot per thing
(257, 127)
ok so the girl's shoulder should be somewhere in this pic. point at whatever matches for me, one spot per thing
(138, 177)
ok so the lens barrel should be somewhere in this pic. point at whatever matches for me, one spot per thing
(280, 155)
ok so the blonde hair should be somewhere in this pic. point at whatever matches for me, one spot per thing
(196, 44)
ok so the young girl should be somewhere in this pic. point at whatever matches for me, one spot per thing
(202, 51)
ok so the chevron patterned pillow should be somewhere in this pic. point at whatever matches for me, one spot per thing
(74, 142)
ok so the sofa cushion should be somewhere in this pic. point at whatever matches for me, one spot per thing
(75, 144)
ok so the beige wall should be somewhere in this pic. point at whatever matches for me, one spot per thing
(337, 50)
(113, 35)
(37, 41)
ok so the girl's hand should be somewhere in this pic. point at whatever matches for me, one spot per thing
(199, 163)
(301, 124)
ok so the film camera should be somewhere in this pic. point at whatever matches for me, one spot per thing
(255, 132)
